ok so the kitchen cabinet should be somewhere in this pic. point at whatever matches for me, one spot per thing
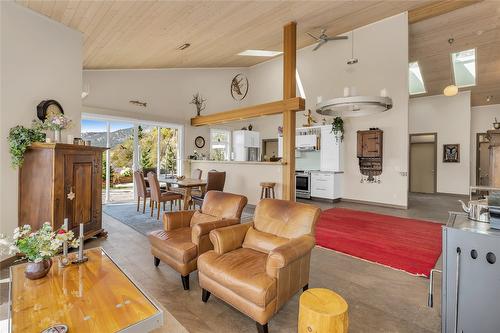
(326, 185)
(59, 181)
(247, 139)
(331, 151)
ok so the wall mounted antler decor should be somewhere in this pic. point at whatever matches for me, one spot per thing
(239, 87)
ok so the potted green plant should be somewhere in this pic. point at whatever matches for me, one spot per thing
(39, 247)
(20, 138)
(338, 128)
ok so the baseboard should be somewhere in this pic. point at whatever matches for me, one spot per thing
(453, 194)
(371, 203)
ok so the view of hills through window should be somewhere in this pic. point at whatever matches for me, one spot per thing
(151, 152)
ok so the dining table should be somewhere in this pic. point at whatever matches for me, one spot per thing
(185, 183)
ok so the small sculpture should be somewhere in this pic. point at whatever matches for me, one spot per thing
(310, 119)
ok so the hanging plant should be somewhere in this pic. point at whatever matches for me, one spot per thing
(338, 128)
(20, 138)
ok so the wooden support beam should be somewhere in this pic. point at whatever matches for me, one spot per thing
(291, 104)
(289, 91)
(437, 8)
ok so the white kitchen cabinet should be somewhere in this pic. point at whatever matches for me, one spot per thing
(325, 185)
(331, 151)
(247, 139)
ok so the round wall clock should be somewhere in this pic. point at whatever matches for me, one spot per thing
(239, 87)
(199, 142)
(48, 107)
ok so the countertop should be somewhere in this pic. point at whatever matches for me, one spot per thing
(239, 162)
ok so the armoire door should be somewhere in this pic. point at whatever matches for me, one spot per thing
(79, 186)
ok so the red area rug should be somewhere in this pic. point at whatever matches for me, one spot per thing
(410, 245)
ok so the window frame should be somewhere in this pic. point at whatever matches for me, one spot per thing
(226, 143)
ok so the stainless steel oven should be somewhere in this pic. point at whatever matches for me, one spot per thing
(303, 184)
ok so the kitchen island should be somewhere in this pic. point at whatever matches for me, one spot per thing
(242, 177)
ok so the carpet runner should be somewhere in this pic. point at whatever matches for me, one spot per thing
(413, 246)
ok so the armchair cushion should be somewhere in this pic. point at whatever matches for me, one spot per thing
(174, 243)
(199, 217)
(262, 241)
(175, 220)
(286, 254)
(229, 238)
(243, 272)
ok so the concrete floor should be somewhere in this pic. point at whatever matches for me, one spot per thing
(380, 299)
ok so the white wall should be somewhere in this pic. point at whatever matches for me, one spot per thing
(450, 118)
(167, 92)
(40, 59)
(382, 50)
(482, 118)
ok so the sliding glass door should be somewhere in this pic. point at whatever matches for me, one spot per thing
(132, 146)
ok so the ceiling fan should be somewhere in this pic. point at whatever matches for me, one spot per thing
(323, 38)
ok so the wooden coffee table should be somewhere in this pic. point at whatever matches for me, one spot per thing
(96, 296)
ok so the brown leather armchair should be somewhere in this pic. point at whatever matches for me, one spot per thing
(257, 267)
(186, 233)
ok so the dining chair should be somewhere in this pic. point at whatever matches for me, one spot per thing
(215, 182)
(157, 196)
(142, 190)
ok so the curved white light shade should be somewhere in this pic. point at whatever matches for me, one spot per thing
(354, 106)
(450, 90)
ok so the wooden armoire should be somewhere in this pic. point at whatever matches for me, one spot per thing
(60, 181)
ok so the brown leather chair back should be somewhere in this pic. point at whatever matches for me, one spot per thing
(285, 218)
(225, 205)
(216, 180)
(140, 184)
(196, 174)
(154, 186)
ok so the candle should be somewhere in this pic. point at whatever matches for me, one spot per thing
(319, 99)
(81, 229)
(80, 248)
(383, 93)
(65, 243)
(65, 224)
(346, 92)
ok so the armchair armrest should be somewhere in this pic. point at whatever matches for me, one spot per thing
(176, 220)
(229, 238)
(284, 255)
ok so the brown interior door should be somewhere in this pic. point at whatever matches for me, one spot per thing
(80, 204)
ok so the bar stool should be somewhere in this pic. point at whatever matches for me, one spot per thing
(267, 190)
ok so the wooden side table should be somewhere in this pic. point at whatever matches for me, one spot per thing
(322, 311)
(267, 190)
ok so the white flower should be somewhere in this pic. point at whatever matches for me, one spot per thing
(37, 260)
(45, 253)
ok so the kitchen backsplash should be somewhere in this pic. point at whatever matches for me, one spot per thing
(307, 160)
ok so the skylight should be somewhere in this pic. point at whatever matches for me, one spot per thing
(416, 82)
(259, 53)
(464, 68)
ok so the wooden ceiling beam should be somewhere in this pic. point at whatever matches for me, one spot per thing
(267, 109)
(437, 8)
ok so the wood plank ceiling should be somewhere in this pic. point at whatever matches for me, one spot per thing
(476, 26)
(146, 34)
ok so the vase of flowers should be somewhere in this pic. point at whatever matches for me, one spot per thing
(39, 247)
(55, 122)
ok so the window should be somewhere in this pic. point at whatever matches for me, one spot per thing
(416, 82)
(464, 68)
(220, 144)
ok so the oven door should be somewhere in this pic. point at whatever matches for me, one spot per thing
(303, 185)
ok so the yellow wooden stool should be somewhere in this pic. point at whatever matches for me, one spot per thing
(322, 311)
(267, 190)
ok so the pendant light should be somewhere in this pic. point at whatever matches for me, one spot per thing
(353, 60)
(452, 89)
